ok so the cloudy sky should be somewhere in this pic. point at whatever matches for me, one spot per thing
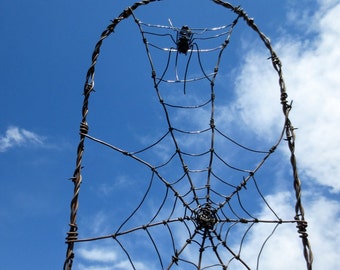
(45, 51)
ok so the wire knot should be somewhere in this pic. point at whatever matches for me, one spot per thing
(302, 228)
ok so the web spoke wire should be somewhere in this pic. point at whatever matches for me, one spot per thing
(208, 211)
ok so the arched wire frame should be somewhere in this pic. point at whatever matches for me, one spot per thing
(203, 216)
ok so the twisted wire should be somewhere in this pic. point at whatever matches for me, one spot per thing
(88, 88)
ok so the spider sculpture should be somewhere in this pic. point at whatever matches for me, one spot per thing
(184, 39)
(185, 42)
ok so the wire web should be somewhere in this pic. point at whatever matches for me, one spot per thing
(203, 200)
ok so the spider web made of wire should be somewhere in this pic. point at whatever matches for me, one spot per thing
(206, 199)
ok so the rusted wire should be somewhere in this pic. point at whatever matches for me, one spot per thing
(88, 88)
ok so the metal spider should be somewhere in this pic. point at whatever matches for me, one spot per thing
(184, 42)
(184, 39)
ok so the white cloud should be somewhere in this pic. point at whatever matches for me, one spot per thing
(98, 254)
(311, 67)
(323, 237)
(95, 267)
(103, 257)
(125, 265)
(15, 136)
(324, 223)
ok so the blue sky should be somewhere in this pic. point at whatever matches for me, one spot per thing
(46, 50)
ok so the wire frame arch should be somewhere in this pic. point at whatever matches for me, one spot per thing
(206, 213)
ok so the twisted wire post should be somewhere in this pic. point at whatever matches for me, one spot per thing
(88, 88)
(299, 211)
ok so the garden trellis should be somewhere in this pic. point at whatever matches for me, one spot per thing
(189, 204)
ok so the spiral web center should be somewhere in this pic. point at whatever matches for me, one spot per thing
(205, 218)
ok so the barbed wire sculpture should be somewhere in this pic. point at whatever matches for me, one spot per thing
(204, 213)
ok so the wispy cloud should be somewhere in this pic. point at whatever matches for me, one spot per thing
(94, 267)
(311, 69)
(105, 258)
(321, 212)
(15, 137)
(98, 254)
